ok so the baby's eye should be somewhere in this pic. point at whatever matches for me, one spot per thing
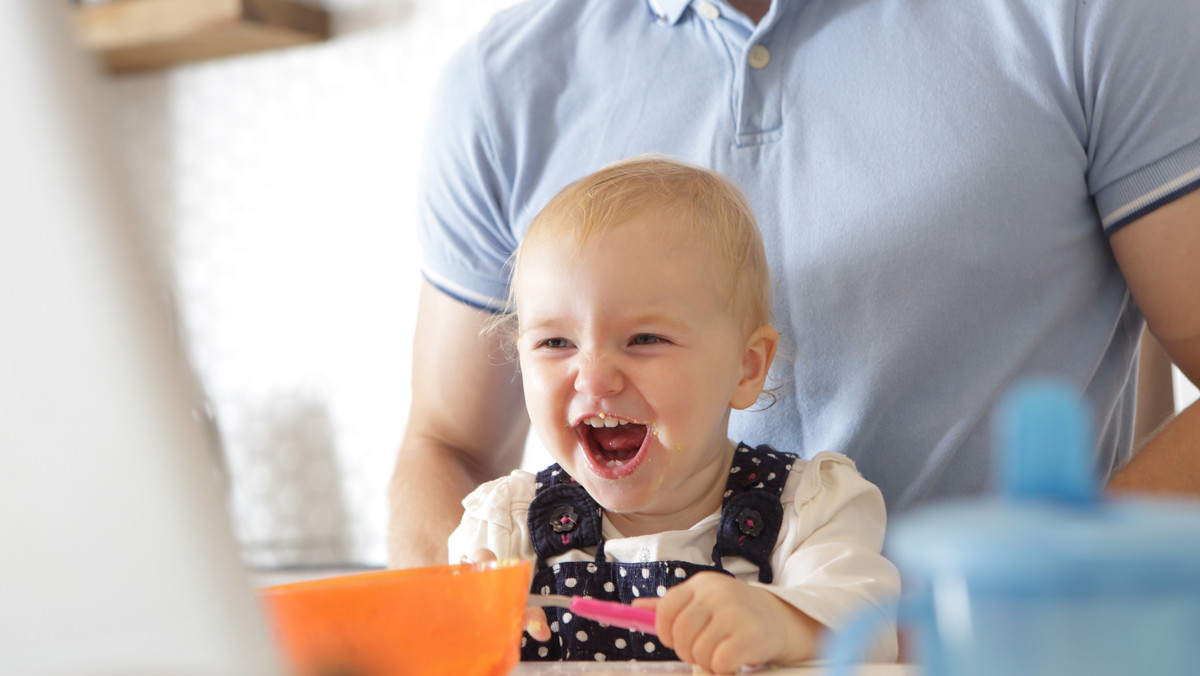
(555, 343)
(647, 339)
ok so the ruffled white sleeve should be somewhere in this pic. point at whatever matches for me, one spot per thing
(495, 518)
(827, 560)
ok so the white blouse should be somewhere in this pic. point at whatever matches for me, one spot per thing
(826, 562)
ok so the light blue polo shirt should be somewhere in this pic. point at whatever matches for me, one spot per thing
(934, 180)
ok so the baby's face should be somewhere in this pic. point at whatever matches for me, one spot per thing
(631, 358)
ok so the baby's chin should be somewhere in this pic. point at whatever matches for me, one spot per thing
(632, 494)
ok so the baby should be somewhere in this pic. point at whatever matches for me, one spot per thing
(642, 309)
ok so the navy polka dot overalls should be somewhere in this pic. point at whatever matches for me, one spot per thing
(562, 516)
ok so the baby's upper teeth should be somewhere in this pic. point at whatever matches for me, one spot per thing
(597, 421)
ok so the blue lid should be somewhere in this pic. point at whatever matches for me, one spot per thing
(1043, 433)
(1048, 531)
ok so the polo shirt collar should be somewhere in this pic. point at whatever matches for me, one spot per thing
(667, 11)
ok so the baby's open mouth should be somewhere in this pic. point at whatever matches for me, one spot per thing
(610, 442)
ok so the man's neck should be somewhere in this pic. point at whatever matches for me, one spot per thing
(755, 9)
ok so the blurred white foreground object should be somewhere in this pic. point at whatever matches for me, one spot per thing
(118, 557)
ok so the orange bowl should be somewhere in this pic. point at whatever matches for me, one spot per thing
(464, 620)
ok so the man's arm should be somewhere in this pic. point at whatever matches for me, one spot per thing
(467, 424)
(1159, 255)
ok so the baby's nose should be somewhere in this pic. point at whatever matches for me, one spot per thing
(598, 377)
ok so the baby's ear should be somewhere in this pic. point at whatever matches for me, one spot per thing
(756, 362)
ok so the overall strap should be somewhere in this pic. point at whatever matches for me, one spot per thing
(562, 516)
(751, 513)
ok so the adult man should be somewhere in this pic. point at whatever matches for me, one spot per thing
(954, 196)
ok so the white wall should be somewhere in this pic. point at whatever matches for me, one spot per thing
(1185, 391)
(283, 184)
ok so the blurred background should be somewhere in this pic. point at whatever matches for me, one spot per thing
(281, 186)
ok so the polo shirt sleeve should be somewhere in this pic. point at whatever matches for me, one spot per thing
(463, 229)
(827, 558)
(1140, 90)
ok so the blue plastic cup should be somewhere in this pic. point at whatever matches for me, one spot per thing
(1047, 577)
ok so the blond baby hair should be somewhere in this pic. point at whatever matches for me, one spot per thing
(710, 206)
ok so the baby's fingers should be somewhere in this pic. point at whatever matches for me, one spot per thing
(646, 602)
(481, 555)
(536, 624)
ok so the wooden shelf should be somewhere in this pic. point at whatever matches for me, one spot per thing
(133, 35)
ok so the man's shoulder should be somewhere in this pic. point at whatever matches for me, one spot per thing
(541, 31)
(545, 23)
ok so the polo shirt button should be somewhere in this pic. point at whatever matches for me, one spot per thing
(759, 57)
(708, 10)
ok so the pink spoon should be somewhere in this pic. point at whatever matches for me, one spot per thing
(609, 612)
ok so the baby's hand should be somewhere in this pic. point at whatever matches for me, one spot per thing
(535, 617)
(720, 624)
